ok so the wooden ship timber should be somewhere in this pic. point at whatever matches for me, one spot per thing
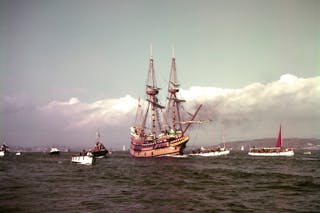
(159, 130)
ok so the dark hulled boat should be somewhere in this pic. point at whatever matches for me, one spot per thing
(99, 150)
(54, 151)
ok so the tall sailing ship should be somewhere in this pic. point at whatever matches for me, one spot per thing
(160, 130)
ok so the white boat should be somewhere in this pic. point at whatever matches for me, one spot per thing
(273, 151)
(242, 148)
(215, 151)
(2, 153)
(87, 159)
(54, 151)
(211, 152)
(18, 153)
(307, 153)
(278, 150)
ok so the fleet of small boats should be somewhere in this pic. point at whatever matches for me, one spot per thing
(161, 130)
(278, 150)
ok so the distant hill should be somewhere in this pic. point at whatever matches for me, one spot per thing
(296, 143)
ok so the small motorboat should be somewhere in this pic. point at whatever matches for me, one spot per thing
(86, 158)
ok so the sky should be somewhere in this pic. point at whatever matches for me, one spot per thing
(70, 67)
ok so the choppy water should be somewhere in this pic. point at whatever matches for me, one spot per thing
(37, 182)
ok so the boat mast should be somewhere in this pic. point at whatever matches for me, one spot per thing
(98, 136)
(222, 137)
(173, 101)
(152, 91)
(138, 114)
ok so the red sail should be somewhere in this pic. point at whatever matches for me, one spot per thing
(279, 141)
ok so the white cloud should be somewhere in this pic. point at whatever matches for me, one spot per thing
(270, 97)
(105, 112)
(254, 108)
(250, 112)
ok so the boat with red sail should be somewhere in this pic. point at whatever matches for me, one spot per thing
(160, 130)
(278, 150)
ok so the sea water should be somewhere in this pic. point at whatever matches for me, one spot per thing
(38, 182)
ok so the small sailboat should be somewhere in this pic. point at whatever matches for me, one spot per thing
(242, 148)
(278, 150)
(86, 158)
(214, 151)
(99, 150)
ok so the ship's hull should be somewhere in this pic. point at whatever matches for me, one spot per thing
(55, 153)
(273, 151)
(211, 154)
(100, 154)
(272, 154)
(159, 148)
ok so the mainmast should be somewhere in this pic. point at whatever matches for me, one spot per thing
(173, 102)
(152, 91)
(222, 137)
(98, 137)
